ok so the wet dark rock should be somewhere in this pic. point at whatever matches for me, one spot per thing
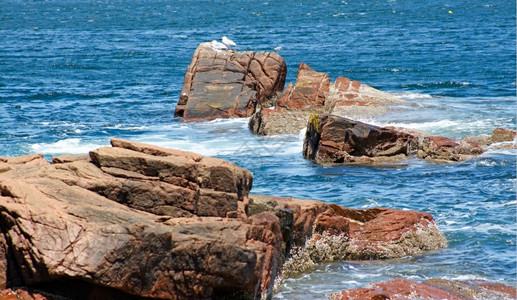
(334, 139)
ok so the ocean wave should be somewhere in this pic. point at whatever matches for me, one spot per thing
(484, 229)
(412, 96)
(467, 277)
(420, 125)
(126, 127)
(437, 85)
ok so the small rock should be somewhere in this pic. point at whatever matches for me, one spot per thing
(503, 135)
(444, 149)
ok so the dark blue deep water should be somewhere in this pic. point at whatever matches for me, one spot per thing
(75, 73)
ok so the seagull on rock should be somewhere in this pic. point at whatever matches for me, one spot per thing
(218, 46)
(227, 42)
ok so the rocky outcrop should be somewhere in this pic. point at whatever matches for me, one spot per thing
(444, 149)
(334, 139)
(136, 220)
(314, 93)
(139, 219)
(430, 289)
(327, 232)
(227, 83)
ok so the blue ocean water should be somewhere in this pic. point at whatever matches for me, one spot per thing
(74, 73)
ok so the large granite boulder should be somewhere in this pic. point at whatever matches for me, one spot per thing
(314, 93)
(430, 289)
(334, 139)
(138, 219)
(227, 83)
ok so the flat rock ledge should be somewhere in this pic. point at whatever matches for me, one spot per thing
(135, 220)
(313, 92)
(332, 139)
(228, 84)
(430, 289)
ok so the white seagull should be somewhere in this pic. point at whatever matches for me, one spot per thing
(218, 46)
(227, 42)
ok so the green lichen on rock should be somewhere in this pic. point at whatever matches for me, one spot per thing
(314, 122)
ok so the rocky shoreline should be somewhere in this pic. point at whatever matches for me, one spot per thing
(137, 221)
(160, 223)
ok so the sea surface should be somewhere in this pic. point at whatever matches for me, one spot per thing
(74, 73)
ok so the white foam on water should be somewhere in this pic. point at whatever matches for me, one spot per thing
(468, 277)
(412, 96)
(514, 202)
(126, 127)
(66, 146)
(350, 282)
(486, 229)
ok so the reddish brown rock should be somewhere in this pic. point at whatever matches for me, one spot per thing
(503, 135)
(21, 294)
(227, 83)
(314, 93)
(444, 149)
(333, 139)
(309, 91)
(59, 224)
(326, 232)
(431, 289)
(354, 99)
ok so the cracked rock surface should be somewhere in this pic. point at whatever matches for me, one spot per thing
(140, 219)
(228, 84)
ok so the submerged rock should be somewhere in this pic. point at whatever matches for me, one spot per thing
(227, 83)
(334, 139)
(430, 289)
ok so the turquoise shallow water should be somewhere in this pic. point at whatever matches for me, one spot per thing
(75, 73)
